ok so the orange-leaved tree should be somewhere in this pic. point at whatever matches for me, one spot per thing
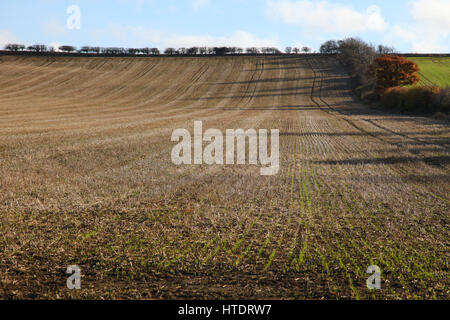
(393, 71)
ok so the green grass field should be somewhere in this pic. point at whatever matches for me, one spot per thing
(433, 71)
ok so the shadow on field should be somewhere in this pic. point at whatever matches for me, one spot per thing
(297, 90)
(263, 80)
(435, 178)
(358, 134)
(285, 89)
(435, 161)
(440, 143)
(249, 95)
(273, 69)
(278, 108)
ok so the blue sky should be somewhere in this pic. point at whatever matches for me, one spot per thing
(409, 25)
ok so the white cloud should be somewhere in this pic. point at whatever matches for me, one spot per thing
(6, 37)
(141, 37)
(402, 33)
(375, 20)
(239, 39)
(433, 15)
(198, 4)
(428, 45)
(326, 17)
(419, 41)
(430, 29)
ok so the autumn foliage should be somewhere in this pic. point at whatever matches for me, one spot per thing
(393, 71)
(420, 99)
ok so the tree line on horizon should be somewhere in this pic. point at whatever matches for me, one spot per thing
(40, 48)
(379, 75)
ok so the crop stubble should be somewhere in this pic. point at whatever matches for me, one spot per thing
(86, 179)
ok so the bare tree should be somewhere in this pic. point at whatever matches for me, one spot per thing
(155, 51)
(114, 51)
(170, 51)
(270, 50)
(15, 47)
(68, 49)
(358, 55)
(288, 50)
(132, 51)
(330, 47)
(252, 50)
(38, 48)
(85, 49)
(220, 51)
(381, 49)
(192, 51)
(276, 51)
(306, 49)
(96, 50)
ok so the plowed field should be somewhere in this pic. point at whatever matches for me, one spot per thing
(86, 179)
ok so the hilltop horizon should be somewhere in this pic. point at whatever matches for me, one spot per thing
(421, 28)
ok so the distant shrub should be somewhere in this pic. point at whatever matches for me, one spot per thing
(394, 98)
(440, 101)
(441, 116)
(427, 100)
(418, 99)
(366, 92)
